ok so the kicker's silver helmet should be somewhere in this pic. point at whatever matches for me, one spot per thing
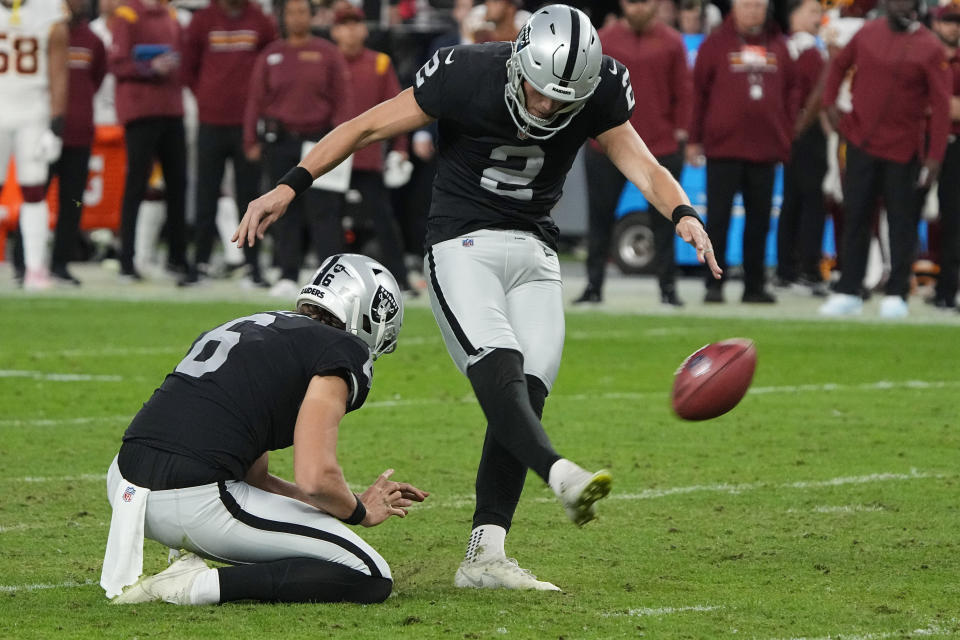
(362, 294)
(558, 53)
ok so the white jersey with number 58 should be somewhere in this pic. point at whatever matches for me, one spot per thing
(24, 37)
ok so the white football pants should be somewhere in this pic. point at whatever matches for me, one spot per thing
(237, 523)
(498, 289)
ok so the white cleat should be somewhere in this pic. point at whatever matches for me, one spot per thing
(499, 573)
(892, 307)
(170, 585)
(842, 304)
(37, 280)
(579, 489)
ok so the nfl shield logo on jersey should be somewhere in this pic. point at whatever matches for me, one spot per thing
(384, 306)
(468, 242)
(128, 494)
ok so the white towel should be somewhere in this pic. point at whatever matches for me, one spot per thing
(123, 560)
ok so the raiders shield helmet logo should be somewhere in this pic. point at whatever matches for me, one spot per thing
(384, 306)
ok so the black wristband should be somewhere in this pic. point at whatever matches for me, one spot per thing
(298, 179)
(56, 126)
(682, 211)
(358, 514)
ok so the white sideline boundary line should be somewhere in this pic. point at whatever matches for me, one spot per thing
(69, 584)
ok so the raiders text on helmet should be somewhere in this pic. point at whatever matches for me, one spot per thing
(558, 53)
(362, 294)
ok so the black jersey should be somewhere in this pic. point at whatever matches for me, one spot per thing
(238, 391)
(487, 176)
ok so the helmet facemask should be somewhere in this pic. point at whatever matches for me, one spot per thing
(558, 54)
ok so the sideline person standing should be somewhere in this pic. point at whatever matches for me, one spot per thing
(742, 126)
(656, 59)
(902, 79)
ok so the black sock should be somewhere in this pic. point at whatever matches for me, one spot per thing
(301, 580)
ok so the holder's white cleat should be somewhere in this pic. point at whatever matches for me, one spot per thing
(170, 585)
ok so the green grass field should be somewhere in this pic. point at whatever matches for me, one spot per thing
(826, 505)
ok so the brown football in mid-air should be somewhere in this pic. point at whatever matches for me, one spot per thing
(713, 379)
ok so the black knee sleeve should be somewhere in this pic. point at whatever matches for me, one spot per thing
(301, 580)
(501, 387)
(537, 392)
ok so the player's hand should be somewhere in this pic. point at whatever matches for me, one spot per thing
(694, 153)
(387, 498)
(690, 229)
(928, 174)
(423, 149)
(254, 152)
(50, 147)
(261, 213)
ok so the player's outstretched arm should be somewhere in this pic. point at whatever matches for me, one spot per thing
(318, 474)
(629, 153)
(388, 119)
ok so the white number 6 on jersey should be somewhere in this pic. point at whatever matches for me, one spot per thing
(225, 339)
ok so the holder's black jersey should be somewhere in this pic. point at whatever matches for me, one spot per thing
(488, 176)
(238, 391)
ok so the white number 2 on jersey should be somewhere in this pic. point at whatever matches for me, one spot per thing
(628, 88)
(225, 339)
(494, 178)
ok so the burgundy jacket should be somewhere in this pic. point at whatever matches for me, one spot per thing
(373, 80)
(900, 77)
(88, 66)
(955, 70)
(661, 79)
(138, 31)
(744, 98)
(218, 55)
(305, 88)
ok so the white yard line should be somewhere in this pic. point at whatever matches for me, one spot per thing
(83, 477)
(932, 630)
(122, 352)
(59, 377)
(102, 352)
(60, 422)
(655, 612)
(60, 525)
(881, 385)
(69, 584)
(722, 487)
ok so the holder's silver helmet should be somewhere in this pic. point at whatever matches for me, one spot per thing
(362, 294)
(558, 53)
